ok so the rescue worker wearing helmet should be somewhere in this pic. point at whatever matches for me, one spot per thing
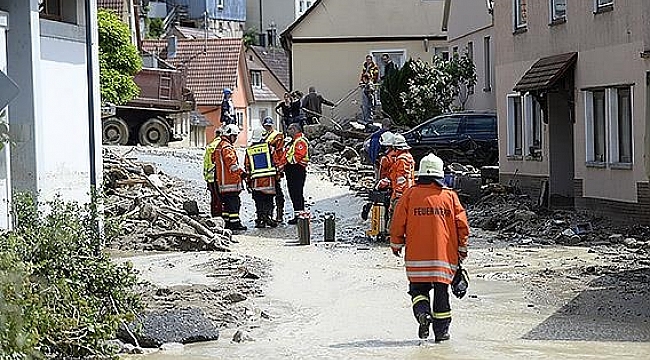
(209, 174)
(386, 154)
(432, 224)
(401, 173)
(227, 108)
(275, 139)
(229, 177)
(262, 178)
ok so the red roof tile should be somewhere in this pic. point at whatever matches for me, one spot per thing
(207, 73)
(115, 5)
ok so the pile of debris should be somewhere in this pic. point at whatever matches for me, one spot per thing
(339, 150)
(501, 208)
(152, 213)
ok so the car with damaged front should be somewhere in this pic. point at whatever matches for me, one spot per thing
(468, 137)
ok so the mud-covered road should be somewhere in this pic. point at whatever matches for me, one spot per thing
(347, 300)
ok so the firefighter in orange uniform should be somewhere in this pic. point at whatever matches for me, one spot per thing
(262, 177)
(386, 142)
(296, 169)
(229, 177)
(279, 156)
(401, 174)
(431, 223)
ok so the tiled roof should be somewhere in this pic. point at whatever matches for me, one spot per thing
(194, 33)
(264, 94)
(545, 73)
(207, 73)
(115, 5)
(277, 61)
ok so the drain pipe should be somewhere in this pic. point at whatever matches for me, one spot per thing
(91, 92)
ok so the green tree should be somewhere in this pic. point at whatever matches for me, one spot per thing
(422, 90)
(119, 60)
(156, 28)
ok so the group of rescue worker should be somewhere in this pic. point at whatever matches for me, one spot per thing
(428, 220)
(267, 160)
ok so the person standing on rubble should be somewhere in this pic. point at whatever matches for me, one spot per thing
(229, 177)
(390, 67)
(296, 169)
(402, 172)
(369, 68)
(227, 108)
(262, 178)
(209, 175)
(374, 147)
(312, 105)
(275, 139)
(284, 110)
(367, 99)
(432, 224)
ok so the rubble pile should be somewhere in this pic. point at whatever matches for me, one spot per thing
(152, 211)
(501, 209)
(339, 151)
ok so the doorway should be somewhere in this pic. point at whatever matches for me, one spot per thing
(561, 145)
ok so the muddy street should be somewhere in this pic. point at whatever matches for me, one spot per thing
(347, 300)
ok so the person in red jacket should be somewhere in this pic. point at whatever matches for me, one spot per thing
(431, 223)
(229, 177)
(401, 173)
(296, 169)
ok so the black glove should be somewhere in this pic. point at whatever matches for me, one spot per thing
(244, 175)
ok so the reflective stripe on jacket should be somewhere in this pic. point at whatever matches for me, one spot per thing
(298, 152)
(431, 222)
(227, 170)
(208, 164)
(402, 172)
(259, 159)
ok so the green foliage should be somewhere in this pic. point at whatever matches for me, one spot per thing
(421, 90)
(60, 295)
(156, 29)
(250, 37)
(119, 60)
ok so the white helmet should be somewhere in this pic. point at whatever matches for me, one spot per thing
(258, 135)
(431, 166)
(387, 139)
(230, 129)
(399, 142)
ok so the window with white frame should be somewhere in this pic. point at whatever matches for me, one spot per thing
(487, 62)
(397, 56)
(220, 4)
(58, 10)
(557, 10)
(515, 125)
(533, 115)
(520, 14)
(608, 120)
(240, 119)
(264, 112)
(599, 4)
(256, 78)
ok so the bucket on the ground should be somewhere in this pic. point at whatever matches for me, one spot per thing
(330, 227)
(303, 226)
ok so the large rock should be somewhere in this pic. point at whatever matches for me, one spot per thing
(330, 136)
(183, 326)
(315, 131)
(349, 153)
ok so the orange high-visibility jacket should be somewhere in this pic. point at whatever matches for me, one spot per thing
(431, 222)
(279, 155)
(402, 172)
(298, 152)
(227, 170)
(264, 184)
(385, 164)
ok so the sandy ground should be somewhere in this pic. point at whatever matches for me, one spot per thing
(348, 300)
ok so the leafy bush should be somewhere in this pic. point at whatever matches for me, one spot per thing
(421, 90)
(60, 295)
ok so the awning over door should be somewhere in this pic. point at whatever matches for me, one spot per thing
(546, 72)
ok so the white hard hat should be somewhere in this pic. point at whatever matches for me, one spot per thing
(387, 139)
(258, 135)
(399, 142)
(431, 166)
(230, 129)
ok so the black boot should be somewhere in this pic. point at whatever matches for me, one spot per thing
(270, 222)
(259, 223)
(425, 321)
(237, 226)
